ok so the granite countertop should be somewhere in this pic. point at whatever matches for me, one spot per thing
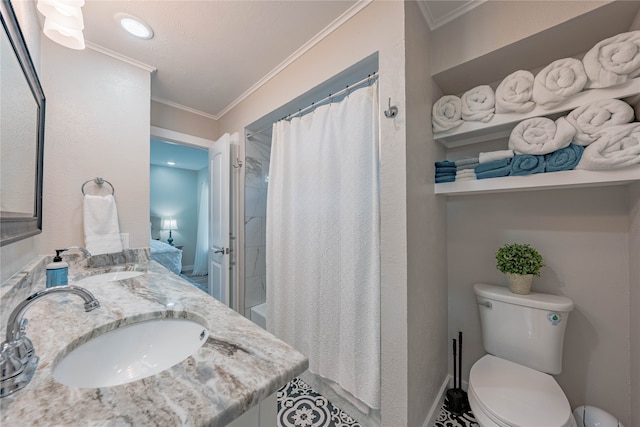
(239, 365)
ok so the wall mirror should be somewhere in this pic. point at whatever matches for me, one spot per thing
(22, 109)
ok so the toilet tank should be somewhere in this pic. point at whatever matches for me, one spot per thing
(525, 329)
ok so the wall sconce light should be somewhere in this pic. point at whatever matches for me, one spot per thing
(63, 22)
(170, 224)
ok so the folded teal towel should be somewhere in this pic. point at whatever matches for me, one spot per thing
(495, 164)
(563, 159)
(446, 170)
(494, 173)
(446, 178)
(445, 163)
(526, 164)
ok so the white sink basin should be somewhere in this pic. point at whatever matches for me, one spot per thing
(130, 353)
(109, 277)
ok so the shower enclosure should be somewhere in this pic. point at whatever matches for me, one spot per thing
(256, 179)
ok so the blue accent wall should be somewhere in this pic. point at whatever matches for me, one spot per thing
(174, 193)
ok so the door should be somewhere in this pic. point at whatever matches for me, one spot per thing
(219, 211)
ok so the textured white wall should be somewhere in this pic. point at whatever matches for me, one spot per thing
(426, 224)
(583, 236)
(97, 126)
(634, 306)
(634, 284)
(187, 122)
(377, 28)
(496, 24)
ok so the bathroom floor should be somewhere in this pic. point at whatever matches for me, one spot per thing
(448, 419)
(300, 406)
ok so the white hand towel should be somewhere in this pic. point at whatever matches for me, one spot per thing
(465, 174)
(478, 104)
(101, 229)
(515, 93)
(540, 135)
(615, 147)
(593, 117)
(557, 81)
(613, 61)
(446, 113)
(490, 156)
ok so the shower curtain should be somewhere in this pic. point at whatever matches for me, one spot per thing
(323, 241)
(201, 263)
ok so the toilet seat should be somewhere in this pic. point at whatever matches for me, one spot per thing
(513, 395)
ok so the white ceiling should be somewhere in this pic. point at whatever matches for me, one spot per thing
(209, 54)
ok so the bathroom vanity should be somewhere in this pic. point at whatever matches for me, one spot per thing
(234, 373)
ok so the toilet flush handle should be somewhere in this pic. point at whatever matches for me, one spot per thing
(485, 303)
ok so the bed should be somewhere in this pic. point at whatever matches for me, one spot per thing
(167, 255)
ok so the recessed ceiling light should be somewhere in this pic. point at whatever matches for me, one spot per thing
(134, 26)
(171, 163)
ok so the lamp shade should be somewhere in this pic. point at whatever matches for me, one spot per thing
(169, 224)
(72, 39)
(66, 13)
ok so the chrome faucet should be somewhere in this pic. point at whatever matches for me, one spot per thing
(18, 360)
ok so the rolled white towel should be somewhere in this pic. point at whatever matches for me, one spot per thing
(490, 156)
(616, 147)
(540, 135)
(557, 81)
(446, 113)
(613, 61)
(478, 104)
(593, 117)
(515, 92)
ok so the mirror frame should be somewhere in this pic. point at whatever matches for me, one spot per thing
(17, 226)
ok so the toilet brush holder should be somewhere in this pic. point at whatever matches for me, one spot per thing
(457, 402)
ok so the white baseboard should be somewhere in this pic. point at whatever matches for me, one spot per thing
(433, 412)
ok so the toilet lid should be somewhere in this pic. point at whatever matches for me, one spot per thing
(518, 396)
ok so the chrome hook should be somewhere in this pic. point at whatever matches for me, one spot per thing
(392, 111)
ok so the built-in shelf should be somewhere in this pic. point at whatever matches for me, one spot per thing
(501, 125)
(542, 181)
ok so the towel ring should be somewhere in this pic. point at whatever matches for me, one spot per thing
(98, 181)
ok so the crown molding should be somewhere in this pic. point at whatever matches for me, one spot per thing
(437, 22)
(120, 57)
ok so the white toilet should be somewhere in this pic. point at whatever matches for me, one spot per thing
(524, 335)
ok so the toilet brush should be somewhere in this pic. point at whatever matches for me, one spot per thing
(465, 398)
(457, 402)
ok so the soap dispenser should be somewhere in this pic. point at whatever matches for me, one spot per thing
(57, 271)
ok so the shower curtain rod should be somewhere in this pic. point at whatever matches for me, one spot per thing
(369, 78)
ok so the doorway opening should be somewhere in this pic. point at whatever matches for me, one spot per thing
(178, 183)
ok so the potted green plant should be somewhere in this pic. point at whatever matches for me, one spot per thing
(520, 262)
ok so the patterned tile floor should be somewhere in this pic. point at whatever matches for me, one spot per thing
(448, 419)
(300, 406)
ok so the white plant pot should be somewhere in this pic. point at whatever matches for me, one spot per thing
(520, 283)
